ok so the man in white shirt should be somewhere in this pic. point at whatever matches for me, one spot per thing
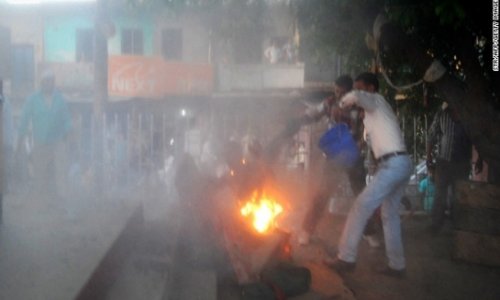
(332, 168)
(386, 188)
(273, 53)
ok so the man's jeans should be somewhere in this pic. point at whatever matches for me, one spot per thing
(386, 189)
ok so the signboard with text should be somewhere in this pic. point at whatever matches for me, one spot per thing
(153, 77)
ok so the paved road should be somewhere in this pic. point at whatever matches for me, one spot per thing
(48, 252)
(49, 248)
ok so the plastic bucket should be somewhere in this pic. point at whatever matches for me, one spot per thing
(338, 144)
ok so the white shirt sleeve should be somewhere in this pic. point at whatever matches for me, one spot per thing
(365, 100)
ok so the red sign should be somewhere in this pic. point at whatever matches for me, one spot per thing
(153, 77)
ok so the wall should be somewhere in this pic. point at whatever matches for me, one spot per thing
(60, 36)
(195, 35)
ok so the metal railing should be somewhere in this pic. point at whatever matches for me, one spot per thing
(136, 149)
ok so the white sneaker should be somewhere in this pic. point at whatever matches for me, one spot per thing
(372, 241)
(303, 238)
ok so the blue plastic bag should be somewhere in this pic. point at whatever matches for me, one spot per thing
(338, 144)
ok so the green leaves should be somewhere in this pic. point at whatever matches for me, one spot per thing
(450, 12)
(335, 27)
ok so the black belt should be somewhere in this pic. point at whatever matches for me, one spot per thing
(389, 155)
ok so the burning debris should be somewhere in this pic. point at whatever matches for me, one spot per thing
(243, 209)
(262, 211)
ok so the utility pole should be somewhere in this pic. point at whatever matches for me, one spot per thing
(101, 57)
(2, 162)
(100, 87)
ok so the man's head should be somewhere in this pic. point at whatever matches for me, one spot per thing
(367, 82)
(343, 84)
(47, 82)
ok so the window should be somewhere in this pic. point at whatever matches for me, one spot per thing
(84, 45)
(171, 44)
(132, 41)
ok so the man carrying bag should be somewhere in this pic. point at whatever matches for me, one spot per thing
(340, 144)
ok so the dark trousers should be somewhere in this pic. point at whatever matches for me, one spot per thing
(447, 174)
(330, 175)
(49, 169)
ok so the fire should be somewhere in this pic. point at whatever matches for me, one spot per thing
(262, 211)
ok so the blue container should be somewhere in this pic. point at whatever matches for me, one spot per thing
(338, 144)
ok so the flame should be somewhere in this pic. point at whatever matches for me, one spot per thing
(262, 211)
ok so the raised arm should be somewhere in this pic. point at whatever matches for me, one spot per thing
(365, 100)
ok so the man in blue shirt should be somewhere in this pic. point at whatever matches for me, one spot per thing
(48, 114)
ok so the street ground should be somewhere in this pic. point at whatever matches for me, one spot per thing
(50, 247)
(46, 253)
(432, 273)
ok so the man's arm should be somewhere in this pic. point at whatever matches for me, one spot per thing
(366, 101)
(312, 114)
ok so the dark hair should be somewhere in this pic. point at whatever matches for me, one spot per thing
(344, 81)
(368, 78)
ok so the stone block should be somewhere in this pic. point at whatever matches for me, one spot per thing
(477, 248)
